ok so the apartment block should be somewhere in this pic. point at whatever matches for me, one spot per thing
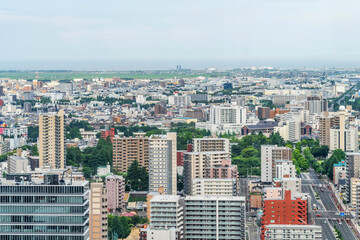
(195, 164)
(214, 187)
(17, 164)
(162, 163)
(98, 212)
(128, 149)
(352, 171)
(269, 155)
(115, 186)
(295, 232)
(46, 209)
(166, 212)
(287, 209)
(210, 144)
(214, 217)
(52, 140)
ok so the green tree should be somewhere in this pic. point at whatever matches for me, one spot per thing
(328, 164)
(137, 177)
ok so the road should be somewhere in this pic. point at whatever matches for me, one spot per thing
(348, 93)
(329, 215)
(253, 231)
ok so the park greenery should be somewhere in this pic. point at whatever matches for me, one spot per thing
(121, 225)
(137, 177)
(186, 133)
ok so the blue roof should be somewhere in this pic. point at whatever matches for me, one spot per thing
(340, 164)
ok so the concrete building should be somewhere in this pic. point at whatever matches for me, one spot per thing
(66, 87)
(211, 217)
(167, 211)
(27, 107)
(352, 171)
(316, 105)
(115, 186)
(167, 233)
(98, 212)
(289, 130)
(295, 232)
(38, 211)
(284, 169)
(52, 140)
(292, 184)
(196, 162)
(345, 139)
(339, 172)
(214, 187)
(162, 163)
(325, 124)
(227, 114)
(17, 164)
(269, 155)
(354, 194)
(287, 209)
(210, 144)
(128, 149)
(180, 101)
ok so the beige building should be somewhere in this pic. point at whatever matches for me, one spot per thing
(128, 149)
(210, 144)
(98, 212)
(196, 162)
(214, 187)
(52, 140)
(162, 163)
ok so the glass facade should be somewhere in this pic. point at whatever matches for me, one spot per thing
(44, 212)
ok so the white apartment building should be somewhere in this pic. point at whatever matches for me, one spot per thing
(162, 163)
(183, 100)
(212, 217)
(284, 168)
(346, 139)
(17, 164)
(269, 155)
(166, 211)
(289, 130)
(214, 187)
(227, 114)
(293, 232)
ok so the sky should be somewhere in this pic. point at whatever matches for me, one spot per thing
(160, 34)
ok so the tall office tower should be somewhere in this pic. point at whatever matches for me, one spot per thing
(287, 209)
(352, 171)
(316, 105)
(227, 114)
(295, 232)
(115, 186)
(162, 163)
(211, 144)
(269, 155)
(52, 140)
(128, 149)
(98, 212)
(211, 217)
(166, 211)
(196, 162)
(344, 136)
(48, 209)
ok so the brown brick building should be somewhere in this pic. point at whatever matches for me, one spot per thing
(128, 149)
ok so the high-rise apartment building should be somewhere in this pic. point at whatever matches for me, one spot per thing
(115, 186)
(352, 171)
(128, 149)
(195, 164)
(162, 163)
(52, 140)
(325, 124)
(288, 209)
(214, 217)
(166, 211)
(47, 210)
(269, 155)
(289, 130)
(98, 212)
(227, 114)
(316, 105)
(211, 144)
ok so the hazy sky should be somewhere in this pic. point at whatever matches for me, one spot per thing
(271, 32)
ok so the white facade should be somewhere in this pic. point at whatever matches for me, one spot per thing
(162, 163)
(18, 164)
(292, 184)
(294, 232)
(207, 144)
(347, 140)
(213, 187)
(227, 115)
(266, 163)
(289, 130)
(183, 100)
(284, 168)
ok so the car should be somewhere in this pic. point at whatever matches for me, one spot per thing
(325, 221)
(318, 215)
